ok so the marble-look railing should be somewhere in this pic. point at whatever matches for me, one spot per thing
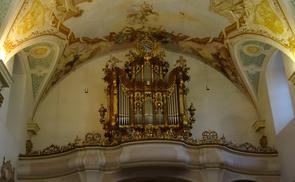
(193, 163)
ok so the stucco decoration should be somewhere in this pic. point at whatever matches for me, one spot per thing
(251, 56)
(65, 9)
(258, 17)
(233, 10)
(39, 17)
(140, 14)
(40, 58)
(7, 172)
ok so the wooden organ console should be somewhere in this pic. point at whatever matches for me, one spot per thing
(143, 96)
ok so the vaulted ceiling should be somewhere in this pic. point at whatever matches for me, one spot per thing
(192, 18)
(232, 36)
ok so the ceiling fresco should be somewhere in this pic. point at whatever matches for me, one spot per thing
(4, 7)
(192, 18)
(292, 5)
(251, 56)
(140, 14)
(196, 27)
(40, 59)
(232, 10)
(211, 51)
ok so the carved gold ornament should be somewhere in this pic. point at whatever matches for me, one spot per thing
(208, 138)
(143, 97)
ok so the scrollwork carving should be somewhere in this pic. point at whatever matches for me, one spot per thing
(208, 138)
(192, 111)
(92, 139)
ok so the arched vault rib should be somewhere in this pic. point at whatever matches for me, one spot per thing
(41, 56)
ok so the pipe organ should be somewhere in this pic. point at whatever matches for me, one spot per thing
(143, 96)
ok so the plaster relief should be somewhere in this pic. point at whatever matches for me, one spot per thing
(140, 14)
(7, 172)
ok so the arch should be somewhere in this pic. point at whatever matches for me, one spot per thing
(267, 40)
(154, 179)
(250, 64)
(263, 99)
(234, 42)
(165, 173)
(57, 45)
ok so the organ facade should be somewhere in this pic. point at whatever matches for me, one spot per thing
(145, 96)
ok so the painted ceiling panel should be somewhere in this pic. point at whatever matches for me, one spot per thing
(293, 5)
(252, 55)
(4, 7)
(40, 58)
(192, 18)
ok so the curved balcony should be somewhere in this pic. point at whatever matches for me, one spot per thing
(157, 158)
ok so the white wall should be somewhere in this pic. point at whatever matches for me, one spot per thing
(265, 111)
(67, 111)
(14, 114)
(286, 147)
(279, 93)
(290, 69)
(223, 108)
(272, 100)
